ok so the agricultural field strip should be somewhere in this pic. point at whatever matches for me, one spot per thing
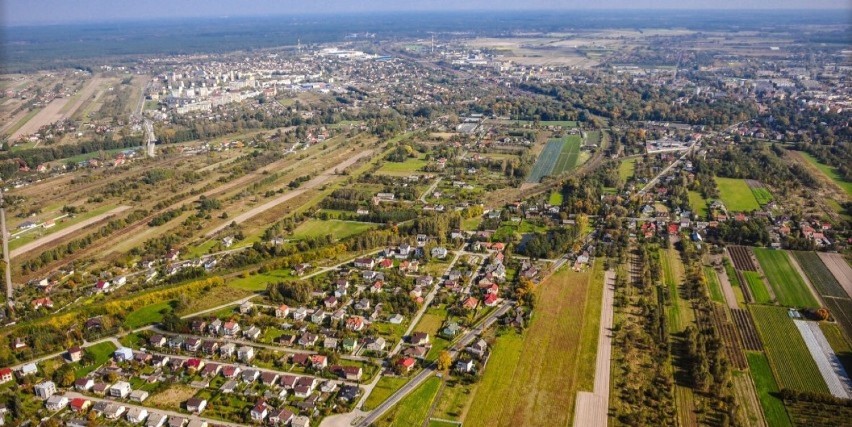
(840, 269)
(64, 232)
(829, 365)
(546, 160)
(313, 183)
(791, 362)
(591, 408)
(820, 276)
(748, 332)
(789, 287)
(742, 258)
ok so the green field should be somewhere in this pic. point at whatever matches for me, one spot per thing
(824, 282)
(713, 284)
(679, 313)
(258, 282)
(830, 172)
(338, 229)
(558, 156)
(383, 389)
(562, 123)
(405, 168)
(736, 195)
(762, 195)
(535, 377)
(791, 362)
(627, 168)
(556, 198)
(101, 352)
(757, 287)
(789, 287)
(767, 390)
(698, 204)
(147, 315)
(413, 409)
(842, 348)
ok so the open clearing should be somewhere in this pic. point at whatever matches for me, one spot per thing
(147, 315)
(408, 167)
(172, 397)
(830, 172)
(413, 409)
(736, 195)
(384, 388)
(788, 355)
(790, 289)
(627, 168)
(338, 229)
(535, 387)
(698, 203)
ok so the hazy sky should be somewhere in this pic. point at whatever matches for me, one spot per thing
(16, 12)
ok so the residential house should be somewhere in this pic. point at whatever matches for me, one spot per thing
(84, 384)
(465, 366)
(281, 417)
(138, 395)
(259, 411)
(196, 405)
(282, 311)
(44, 390)
(80, 404)
(75, 354)
(136, 415)
(478, 349)
(114, 411)
(407, 364)
(419, 338)
(245, 354)
(156, 420)
(120, 389)
(56, 402)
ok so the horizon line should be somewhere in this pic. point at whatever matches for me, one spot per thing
(410, 11)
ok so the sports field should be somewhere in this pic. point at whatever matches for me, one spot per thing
(736, 195)
(790, 289)
(535, 377)
(558, 156)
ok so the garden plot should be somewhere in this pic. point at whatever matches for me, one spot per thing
(827, 362)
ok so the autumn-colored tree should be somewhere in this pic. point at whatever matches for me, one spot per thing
(445, 361)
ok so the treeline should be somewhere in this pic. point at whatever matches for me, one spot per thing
(36, 156)
(73, 246)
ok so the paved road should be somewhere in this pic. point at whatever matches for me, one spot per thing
(429, 190)
(592, 408)
(427, 372)
(64, 232)
(665, 171)
(73, 395)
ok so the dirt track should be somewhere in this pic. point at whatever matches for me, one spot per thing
(592, 409)
(315, 182)
(64, 232)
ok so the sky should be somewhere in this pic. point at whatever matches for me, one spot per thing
(18, 12)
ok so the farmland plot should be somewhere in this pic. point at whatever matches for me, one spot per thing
(751, 340)
(788, 355)
(828, 363)
(840, 269)
(790, 289)
(741, 257)
(824, 282)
